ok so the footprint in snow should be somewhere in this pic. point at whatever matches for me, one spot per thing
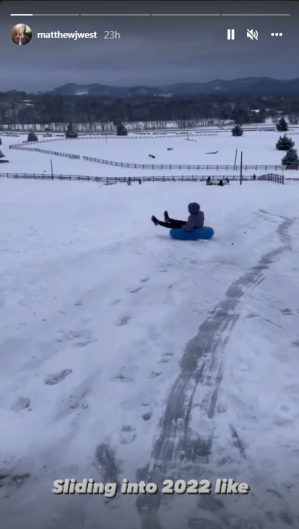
(286, 312)
(155, 374)
(52, 380)
(135, 290)
(21, 403)
(122, 321)
(115, 302)
(127, 435)
(147, 416)
(123, 378)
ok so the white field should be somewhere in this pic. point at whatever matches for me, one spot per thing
(258, 148)
(98, 307)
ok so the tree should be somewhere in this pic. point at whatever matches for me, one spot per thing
(259, 117)
(237, 131)
(2, 156)
(70, 132)
(240, 115)
(291, 160)
(32, 136)
(284, 143)
(27, 115)
(282, 125)
(121, 130)
(184, 115)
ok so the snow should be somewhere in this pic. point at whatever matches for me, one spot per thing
(258, 148)
(110, 328)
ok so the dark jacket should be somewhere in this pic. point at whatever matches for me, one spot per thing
(24, 40)
(196, 218)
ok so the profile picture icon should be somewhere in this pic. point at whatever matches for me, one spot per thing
(21, 34)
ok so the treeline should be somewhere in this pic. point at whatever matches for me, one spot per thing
(47, 108)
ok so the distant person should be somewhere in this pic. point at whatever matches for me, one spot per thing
(208, 181)
(129, 181)
(195, 220)
(226, 182)
(254, 177)
(20, 38)
(220, 183)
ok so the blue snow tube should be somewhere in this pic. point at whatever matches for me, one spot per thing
(193, 235)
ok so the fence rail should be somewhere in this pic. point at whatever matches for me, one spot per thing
(104, 136)
(155, 166)
(53, 153)
(183, 166)
(118, 179)
(278, 179)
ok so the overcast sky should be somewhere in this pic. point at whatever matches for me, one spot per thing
(152, 51)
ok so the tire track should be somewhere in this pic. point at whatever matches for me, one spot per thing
(201, 369)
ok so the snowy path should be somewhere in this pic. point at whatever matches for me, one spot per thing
(96, 330)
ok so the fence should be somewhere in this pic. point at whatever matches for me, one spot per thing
(157, 166)
(198, 167)
(53, 153)
(104, 136)
(108, 180)
(278, 179)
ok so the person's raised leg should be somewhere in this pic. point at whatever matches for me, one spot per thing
(176, 224)
(172, 224)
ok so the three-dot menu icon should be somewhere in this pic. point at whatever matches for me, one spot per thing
(276, 34)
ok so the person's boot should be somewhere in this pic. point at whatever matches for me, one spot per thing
(166, 216)
(155, 220)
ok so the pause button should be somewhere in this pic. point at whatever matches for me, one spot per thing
(230, 34)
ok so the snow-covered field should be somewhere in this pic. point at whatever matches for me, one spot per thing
(258, 149)
(125, 354)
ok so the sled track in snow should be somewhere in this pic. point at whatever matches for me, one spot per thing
(201, 366)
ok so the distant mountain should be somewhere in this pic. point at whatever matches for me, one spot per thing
(251, 85)
(103, 90)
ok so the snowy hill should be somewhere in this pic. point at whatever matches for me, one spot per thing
(125, 354)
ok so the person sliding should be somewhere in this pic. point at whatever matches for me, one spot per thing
(196, 219)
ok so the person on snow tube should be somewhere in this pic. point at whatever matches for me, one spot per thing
(196, 219)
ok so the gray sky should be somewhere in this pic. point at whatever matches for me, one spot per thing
(152, 51)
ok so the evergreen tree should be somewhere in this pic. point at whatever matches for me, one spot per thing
(291, 160)
(237, 131)
(282, 125)
(70, 132)
(121, 130)
(284, 143)
(32, 136)
(2, 156)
